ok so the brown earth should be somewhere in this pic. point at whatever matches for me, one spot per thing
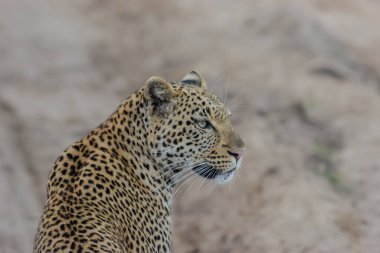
(307, 77)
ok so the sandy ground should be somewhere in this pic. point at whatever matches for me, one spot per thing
(307, 79)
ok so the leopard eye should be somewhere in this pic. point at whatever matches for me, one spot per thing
(204, 124)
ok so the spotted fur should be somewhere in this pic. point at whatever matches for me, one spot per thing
(111, 191)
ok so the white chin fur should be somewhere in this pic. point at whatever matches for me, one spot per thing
(223, 179)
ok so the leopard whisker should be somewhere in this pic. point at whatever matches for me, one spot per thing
(181, 175)
(187, 180)
(218, 81)
(199, 182)
(204, 168)
(203, 181)
(193, 179)
(175, 165)
(184, 170)
(226, 90)
(230, 104)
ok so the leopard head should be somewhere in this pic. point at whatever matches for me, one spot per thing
(190, 130)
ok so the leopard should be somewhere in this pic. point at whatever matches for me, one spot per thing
(112, 190)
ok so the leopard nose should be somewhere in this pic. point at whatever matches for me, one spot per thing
(238, 153)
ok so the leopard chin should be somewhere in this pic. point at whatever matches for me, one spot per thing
(225, 177)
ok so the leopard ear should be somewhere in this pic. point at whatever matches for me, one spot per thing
(194, 78)
(160, 95)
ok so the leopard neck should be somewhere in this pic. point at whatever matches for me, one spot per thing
(126, 135)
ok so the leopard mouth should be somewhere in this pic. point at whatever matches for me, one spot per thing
(210, 172)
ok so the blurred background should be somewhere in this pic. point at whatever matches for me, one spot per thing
(306, 77)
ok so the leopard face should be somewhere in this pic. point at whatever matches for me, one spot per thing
(190, 130)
